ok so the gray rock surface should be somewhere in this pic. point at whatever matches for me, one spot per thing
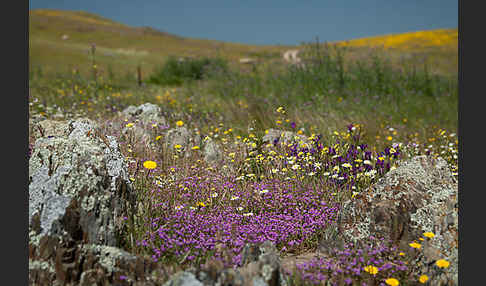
(148, 113)
(178, 136)
(285, 137)
(78, 184)
(261, 264)
(212, 152)
(419, 196)
(183, 278)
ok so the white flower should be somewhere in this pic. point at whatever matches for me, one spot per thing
(371, 173)
(264, 191)
(178, 208)
(233, 198)
(311, 174)
(318, 165)
(326, 173)
(296, 167)
(214, 195)
(334, 176)
(247, 214)
(239, 208)
(274, 170)
(367, 162)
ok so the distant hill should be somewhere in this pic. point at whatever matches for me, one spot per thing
(60, 40)
(440, 38)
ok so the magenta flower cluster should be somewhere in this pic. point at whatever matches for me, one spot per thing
(282, 212)
(347, 266)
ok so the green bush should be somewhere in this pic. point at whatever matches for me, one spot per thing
(176, 72)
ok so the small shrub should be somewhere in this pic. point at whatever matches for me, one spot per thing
(176, 71)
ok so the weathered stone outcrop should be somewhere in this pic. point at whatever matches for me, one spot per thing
(147, 113)
(285, 137)
(212, 152)
(56, 261)
(260, 265)
(142, 116)
(419, 196)
(178, 136)
(79, 195)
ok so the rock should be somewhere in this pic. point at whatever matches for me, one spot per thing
(79, 193)
(261, 265)
(419, 196)
(148, 113)
(63, 262)
(183, 279)
(247, 61)
(285, 137)
(178, 136)
(78, 184)
(212, 152)
(49, 128)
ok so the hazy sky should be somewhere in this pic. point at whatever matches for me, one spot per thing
(286, 22)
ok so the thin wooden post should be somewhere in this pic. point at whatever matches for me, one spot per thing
(139, 75)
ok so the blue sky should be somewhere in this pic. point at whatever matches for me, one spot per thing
(284, 22)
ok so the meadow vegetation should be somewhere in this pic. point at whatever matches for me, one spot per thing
(360, 117)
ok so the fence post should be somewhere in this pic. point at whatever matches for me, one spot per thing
(139, 75)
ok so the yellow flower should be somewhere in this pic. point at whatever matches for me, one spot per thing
(179, 123)
(195, 148)
(158, 137)
(279, 122)
(129, 125)
(442, 263)
(150, 165)
(415, 245)
(401, 253)
(392, 282)
(177, 146)
(371, 269)
(429, 234)
(423, 278)
(389, 138)
(200, 204)
(280, 110)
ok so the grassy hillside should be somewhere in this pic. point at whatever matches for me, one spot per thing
(119, 46)
(437, 48)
